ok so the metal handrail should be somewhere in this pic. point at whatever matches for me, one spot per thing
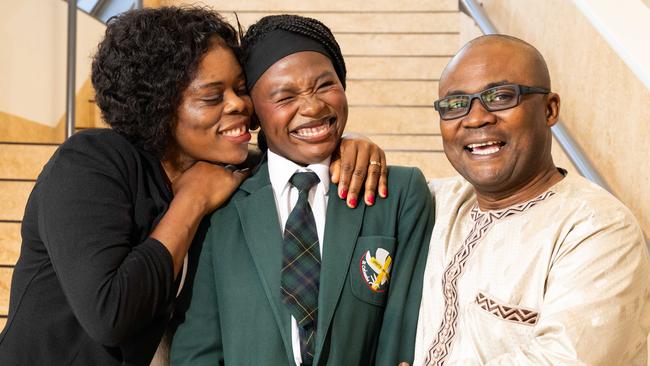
(577, 156)
(71, 89)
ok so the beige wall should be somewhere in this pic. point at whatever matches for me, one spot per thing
(604, 105)
(625, 25)
(33, 38)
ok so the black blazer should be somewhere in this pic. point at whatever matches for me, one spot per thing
(90, 286)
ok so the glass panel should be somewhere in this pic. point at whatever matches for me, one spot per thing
(102, 10)
(108, 9)
(87, 5)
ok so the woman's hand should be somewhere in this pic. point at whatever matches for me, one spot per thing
(359, 162)
(198, 191)
(208, 184)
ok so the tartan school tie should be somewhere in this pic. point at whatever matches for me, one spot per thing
(301, 265)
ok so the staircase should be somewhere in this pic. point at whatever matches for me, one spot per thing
(394, 50)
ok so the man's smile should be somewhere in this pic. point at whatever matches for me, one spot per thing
(485, 148)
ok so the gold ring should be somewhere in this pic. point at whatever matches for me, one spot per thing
(374, 162)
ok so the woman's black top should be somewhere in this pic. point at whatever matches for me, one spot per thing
(91, 287)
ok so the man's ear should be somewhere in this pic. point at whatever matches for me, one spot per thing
(552, 108)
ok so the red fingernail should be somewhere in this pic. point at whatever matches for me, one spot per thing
(371, 199)
(344, 193)
(352, 202)
(384, 192)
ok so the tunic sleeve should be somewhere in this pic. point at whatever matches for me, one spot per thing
(595, 306)
(115, 284)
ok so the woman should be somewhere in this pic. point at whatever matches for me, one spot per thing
(113, 213)
(286, 275)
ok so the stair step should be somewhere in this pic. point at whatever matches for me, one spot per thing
(389, 68)
(5, 285)
(393, 119)
(91, 123)
(405, 143)
(10, 241)
(432, 164)
(364, 22)
(392, 93)
(23, 161)
(329, 5)
(398, 44)
(13, 197)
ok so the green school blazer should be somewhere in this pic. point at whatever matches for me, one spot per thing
(236, 315)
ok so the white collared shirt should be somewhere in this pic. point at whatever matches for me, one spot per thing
(286, 196)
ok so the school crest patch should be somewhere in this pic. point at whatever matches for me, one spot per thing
(375, 270)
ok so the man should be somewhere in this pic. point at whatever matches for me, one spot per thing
(528, 265)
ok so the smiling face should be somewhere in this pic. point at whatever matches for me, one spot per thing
(214, 114)
(302, 107)
(499, 152)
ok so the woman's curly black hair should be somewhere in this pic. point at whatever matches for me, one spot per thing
(144, 64)
(307, 27)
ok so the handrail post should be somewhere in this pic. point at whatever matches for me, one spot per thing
(71, 88)
(475, 11)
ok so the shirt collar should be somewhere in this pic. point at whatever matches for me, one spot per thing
(281, 169)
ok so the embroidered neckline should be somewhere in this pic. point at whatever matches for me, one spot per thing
(476, 211)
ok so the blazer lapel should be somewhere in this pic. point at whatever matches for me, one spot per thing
(260, 225)
(342, 227)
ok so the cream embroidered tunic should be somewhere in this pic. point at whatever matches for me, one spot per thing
(562, 279)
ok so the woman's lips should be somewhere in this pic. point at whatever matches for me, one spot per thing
(237, 134)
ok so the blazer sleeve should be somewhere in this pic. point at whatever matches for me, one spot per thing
(415, 223)
(197, 340)
(84, 206)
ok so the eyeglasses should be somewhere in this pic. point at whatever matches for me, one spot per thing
(493, 99)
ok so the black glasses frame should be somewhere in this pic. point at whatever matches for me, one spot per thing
(521, 90)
